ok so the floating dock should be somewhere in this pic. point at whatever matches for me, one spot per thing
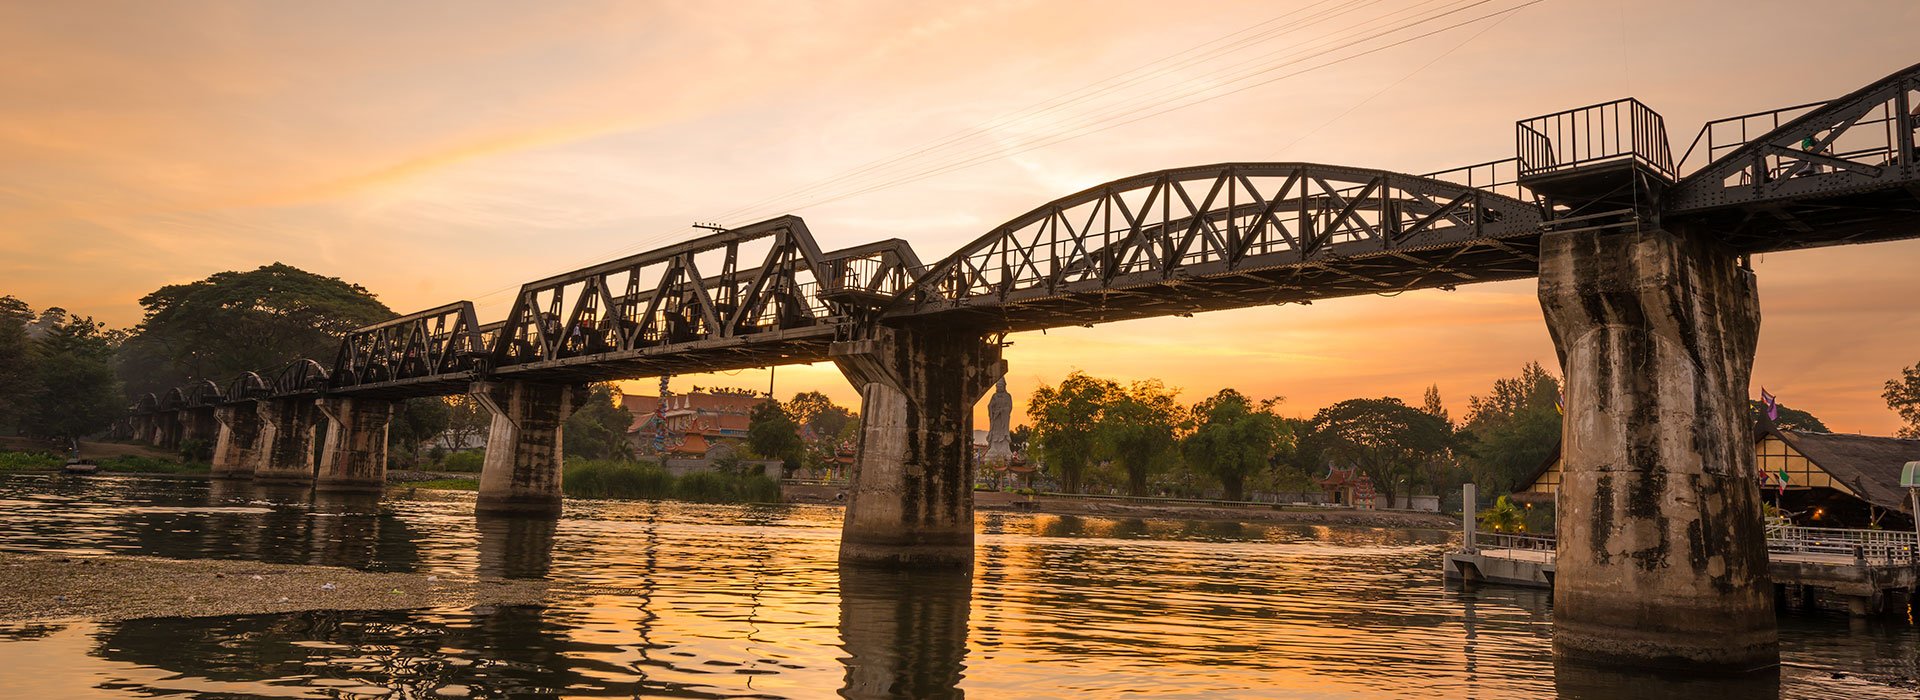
(1872, 571)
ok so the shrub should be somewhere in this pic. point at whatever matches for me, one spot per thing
(600, 478)
(463, 462)
(196, 450)
(151, 465)
(595, 478)
(446, 484)
(717, 487)
(26, 461)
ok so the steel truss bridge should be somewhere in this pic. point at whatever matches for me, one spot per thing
(1172, 242)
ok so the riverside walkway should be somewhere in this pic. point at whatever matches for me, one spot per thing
(1873, 571)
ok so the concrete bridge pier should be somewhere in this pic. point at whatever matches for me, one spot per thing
(286, 440)
(198, 423)
(166, 430)
(910, 502)
(521, 473)
(354, 455)
(236, 449)
(1662, 556)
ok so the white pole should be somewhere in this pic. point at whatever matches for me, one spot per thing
(1466, 517)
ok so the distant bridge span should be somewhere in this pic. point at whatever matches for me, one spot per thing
(1643, 275)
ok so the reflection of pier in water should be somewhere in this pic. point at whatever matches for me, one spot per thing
(277, 524)
(904, 632)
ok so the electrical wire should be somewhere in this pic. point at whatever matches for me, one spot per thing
(1111, 121)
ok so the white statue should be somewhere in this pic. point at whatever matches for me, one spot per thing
(999, 415)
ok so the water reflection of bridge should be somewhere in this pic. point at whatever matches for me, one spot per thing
(1643, 279)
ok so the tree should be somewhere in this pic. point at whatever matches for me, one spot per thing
(1136, 430)
(598, 428)
(819, 415)
(415, 422)
(773, 434)
(1789, 419)
(235, 322)
(1512, 430)
(16, 360)
(1232, 439)
(1903, 396)
(75, 393)
(1431, 405)
(1384, 438)
(1064, 423)
(467, 423)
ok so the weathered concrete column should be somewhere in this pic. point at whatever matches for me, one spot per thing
(521, 473)
(354, 456)
(910, 502)
(236, 449)
(1662, 556)
(286, 440)
(199, 423)
(165, 423)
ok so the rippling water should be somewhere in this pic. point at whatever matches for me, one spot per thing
(680, 600)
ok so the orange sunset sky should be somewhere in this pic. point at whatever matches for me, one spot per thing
(435, 151)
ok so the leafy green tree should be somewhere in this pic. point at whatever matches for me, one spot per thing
(816, 413)
(1136, 430)
(821, 423)
(16, 360)
(772, 433)
(1065, 419)
(1431, 404)
(1790, 419)
(1019, 437)
(1509, 432)
(1903, 396)
(75, 393)
(415, 423)
(1503, 516)
(234, 322)
(1384, 438)
(467, 423)
(1233, 438)
(598, 428)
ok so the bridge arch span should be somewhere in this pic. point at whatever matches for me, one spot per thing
(1224, 236)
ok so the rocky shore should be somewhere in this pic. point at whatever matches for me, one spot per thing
(53, 587)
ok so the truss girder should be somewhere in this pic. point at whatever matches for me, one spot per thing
(431, 343)
(1195, 224)
(1857, 144)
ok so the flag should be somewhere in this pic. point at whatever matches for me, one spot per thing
(1783, 480)
(1560, 403)
(1773, 406)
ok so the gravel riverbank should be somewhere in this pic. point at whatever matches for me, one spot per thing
(52, 587)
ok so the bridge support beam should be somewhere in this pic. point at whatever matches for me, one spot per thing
(200, 424)
(354, 456)
(286, 441)
(166, 430)
(1662, 557)
(236, 450)
(521, 473)
(910, 502)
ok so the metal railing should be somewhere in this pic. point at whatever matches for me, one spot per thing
(1722, 136)
(1497, 544)
(1870, 546)
(1863, 546)
(1498, 176)
(1609, 131)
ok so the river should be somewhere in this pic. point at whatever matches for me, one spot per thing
(664, 599)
